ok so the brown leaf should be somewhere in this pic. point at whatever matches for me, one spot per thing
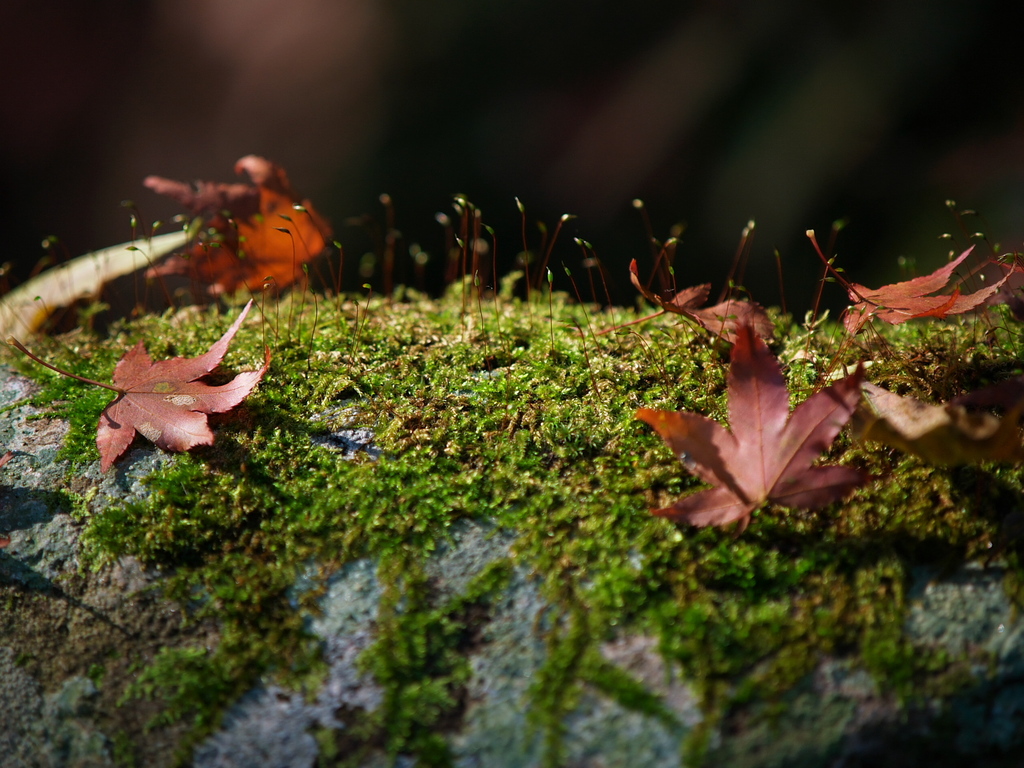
(1007, 394)
(247, 245)
(940, 434)
(768, 454)
(165, 403)
(721, 319)
(898, 302)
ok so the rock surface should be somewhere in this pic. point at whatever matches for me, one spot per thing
(54, 710)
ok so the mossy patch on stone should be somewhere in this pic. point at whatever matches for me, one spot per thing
(523, 423)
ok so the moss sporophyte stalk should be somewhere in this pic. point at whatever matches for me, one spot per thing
(490, 414)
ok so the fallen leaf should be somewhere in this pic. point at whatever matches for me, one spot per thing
(899, 302)
(1006, 394)
(721, 319)
(767, 455)
(165, 403)
(248, 233)
(942, 434)
(26, 308)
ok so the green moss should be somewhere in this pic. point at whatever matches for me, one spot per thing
(624, 689)
(420, 658)
(96, 673)
(184, 677)
(124, 751)
(480, 415)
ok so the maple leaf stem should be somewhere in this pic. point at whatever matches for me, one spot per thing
(633, 322)
(21, 348)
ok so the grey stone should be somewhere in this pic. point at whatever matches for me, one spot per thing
(344, 436)
(350, 603)
(469, 548)
(47, 731)
(34, 499)
(271, 726)
(837, 716)
(496, 729)
(965, 611)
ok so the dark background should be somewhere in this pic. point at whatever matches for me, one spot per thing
(791, 113)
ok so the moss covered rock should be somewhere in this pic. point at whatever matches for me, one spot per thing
(425, 540)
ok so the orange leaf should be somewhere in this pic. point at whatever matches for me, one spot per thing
(249, 233)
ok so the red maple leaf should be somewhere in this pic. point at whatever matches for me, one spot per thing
(721, 319)
(249, 233)
(899, 302)
(767, 455)
(165, 403)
